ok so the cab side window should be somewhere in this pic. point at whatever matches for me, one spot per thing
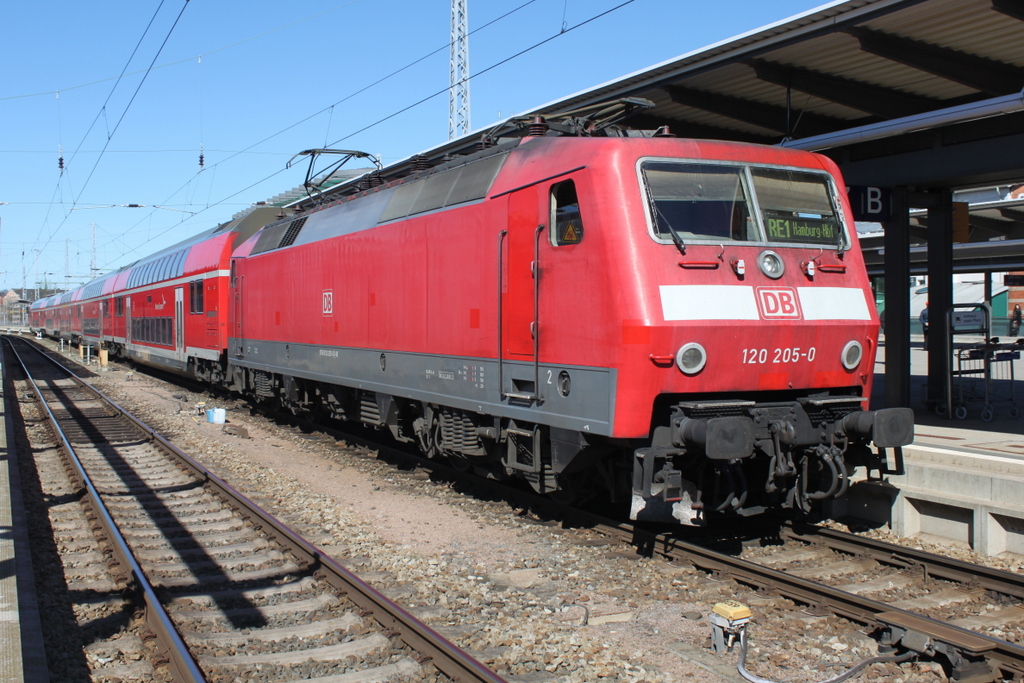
(566, 222)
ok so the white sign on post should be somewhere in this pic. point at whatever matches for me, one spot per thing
(964, 321)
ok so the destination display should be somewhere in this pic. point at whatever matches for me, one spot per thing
(801, 229)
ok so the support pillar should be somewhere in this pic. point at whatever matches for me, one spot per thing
(897, 302)
(940, 293)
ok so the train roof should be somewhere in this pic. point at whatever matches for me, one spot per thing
(473, 177)
(601, 120)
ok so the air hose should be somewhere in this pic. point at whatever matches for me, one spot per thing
(849, 673)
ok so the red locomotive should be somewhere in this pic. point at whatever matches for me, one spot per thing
(687, 324)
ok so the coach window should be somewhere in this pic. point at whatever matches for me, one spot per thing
(119, 306)
(195, 292)
(566, 222)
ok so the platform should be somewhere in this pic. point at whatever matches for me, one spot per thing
(22, 658)
(964, 479)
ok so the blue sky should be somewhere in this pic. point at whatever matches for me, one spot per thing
(252, 83)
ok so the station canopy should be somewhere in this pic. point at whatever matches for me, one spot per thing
(917, 93)
(923, 94)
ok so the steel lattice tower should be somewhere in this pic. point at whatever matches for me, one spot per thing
(458, 89)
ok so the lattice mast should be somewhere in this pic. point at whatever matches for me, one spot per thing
(458, 79)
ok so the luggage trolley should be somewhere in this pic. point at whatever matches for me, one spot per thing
(1000, 361)
(967, 380)
(981, 373)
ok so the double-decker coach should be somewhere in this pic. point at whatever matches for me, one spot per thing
(167, 310)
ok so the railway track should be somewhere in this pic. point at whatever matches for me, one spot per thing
(219, 588)
(965, 616)
(916, 603)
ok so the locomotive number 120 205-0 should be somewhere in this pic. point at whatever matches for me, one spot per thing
(789, 354)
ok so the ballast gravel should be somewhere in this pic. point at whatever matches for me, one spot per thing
(533, 601)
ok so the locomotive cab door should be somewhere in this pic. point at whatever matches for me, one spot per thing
(520, 286)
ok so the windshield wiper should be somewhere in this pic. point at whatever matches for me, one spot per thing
(677, 239)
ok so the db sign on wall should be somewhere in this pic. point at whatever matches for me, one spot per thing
(328, 302)
(778, 302)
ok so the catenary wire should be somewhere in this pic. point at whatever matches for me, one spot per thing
(562, 31)
(187, 59)
(124, 113)
(312, 116)
(248, 149)
(110, 94)
(65, 171)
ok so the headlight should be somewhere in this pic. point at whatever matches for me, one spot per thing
(691, 358)
(852, 354)
(771, 264)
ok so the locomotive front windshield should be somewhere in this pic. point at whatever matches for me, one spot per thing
(721, 202)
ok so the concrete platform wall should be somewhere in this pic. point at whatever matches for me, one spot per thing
(970, 498)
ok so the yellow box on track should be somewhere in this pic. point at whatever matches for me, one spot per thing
(732, 610)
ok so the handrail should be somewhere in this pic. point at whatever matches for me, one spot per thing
(501, 380)
(535, 269)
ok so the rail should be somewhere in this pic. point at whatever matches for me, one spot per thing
(431, 646)
(963, 648)
(932, 565)
(973, 656)
(183, 665)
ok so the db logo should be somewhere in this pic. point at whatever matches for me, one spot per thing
(328, 302)
(778, 302)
